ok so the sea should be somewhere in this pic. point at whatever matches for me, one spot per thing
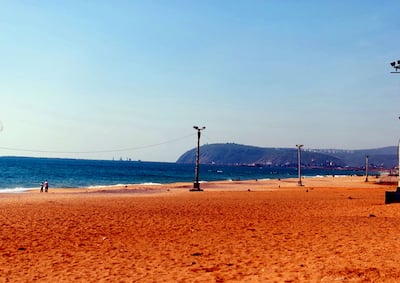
(19, 174)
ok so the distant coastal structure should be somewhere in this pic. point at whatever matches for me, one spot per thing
(330, 151)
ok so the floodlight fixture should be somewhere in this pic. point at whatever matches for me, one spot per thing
(396, 67)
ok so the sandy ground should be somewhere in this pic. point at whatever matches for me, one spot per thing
(330, 230)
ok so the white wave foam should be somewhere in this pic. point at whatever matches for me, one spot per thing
(16, 190)
(106, 186)
(123, 185)
(328, 176)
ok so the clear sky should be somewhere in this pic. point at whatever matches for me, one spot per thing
(103, 79)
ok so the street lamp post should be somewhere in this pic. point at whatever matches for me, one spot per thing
(196, 184)
(366, 168)
(398, 178)
(395, 196)
(299, 146)
(397, 68)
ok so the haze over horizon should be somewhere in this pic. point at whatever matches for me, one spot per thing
(130, 79)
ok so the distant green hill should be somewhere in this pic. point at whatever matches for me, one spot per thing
(236, 154)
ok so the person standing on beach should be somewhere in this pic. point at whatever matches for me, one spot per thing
(41, 187)
(46, 186)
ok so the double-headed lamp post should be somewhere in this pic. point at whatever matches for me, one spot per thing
(299, 146)
(196, 184)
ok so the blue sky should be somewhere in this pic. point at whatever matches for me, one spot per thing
(104, 79)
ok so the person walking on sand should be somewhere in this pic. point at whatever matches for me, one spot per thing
(41, 187)
(46, 186)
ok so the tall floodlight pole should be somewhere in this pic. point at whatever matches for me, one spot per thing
(398, 178)
(398, 166)
(196, 184)
(366, 168)
(395, 196)
(397, 68)
(299, 146)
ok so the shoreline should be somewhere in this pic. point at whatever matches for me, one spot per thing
(260, 184)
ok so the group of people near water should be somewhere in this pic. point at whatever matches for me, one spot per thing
(45, 186)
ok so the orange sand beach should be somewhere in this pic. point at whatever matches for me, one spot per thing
(332, 229)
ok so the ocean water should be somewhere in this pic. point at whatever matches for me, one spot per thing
(23, 173)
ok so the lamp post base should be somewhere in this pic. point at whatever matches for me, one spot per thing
(196, 187)
(392, 197)
(299, 183)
